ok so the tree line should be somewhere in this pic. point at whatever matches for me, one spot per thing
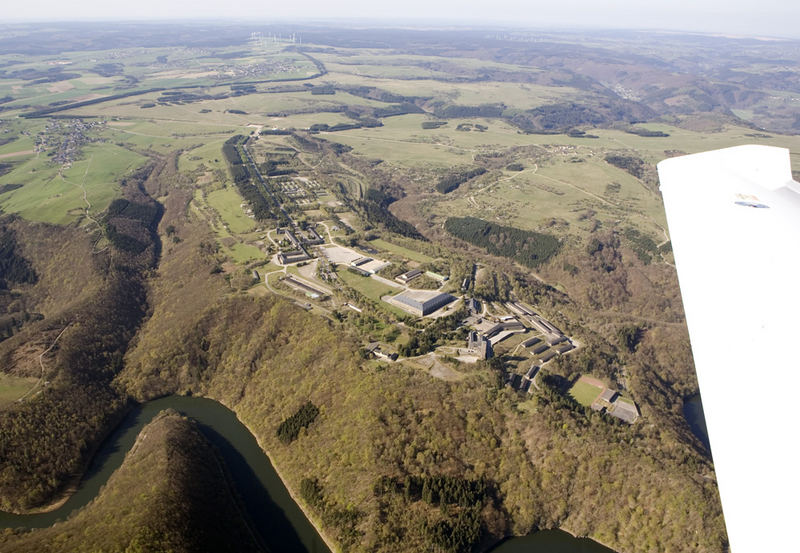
(455, 110)
(632, 164)
(243, 179)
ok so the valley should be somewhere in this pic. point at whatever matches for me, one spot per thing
(321, 217)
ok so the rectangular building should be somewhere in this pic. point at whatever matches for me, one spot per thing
(547, 356)
(422, 302)
(565, 348)
(406, 277)
(531, 342)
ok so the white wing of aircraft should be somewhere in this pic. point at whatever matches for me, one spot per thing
(734, 220)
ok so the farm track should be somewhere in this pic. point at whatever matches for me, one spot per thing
(41, 364)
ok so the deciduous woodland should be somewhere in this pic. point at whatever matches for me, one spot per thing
(231, 215)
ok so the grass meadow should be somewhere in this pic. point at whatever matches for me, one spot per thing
(13, 387)
(54, 195)
(400, 250)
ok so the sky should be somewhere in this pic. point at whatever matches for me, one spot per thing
(736, 17)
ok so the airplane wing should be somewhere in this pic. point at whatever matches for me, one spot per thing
(734, 221)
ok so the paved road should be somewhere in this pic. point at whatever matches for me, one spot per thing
(388, 282)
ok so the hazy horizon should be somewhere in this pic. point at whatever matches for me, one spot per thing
(773, 18)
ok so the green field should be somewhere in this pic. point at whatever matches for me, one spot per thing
(13, 387)
(370, 287)
(400, 250)
(228, 204)
(244, 253)
(57, 196)
(206, 157)
(584, 392)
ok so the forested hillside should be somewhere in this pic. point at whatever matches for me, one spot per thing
(169, 495)
(48, 440)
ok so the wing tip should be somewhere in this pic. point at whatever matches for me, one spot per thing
(767, 166)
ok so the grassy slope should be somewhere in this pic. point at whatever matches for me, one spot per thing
(227, 201)
(13, 387)
(168, 495)
(400, 250)
(49, 196)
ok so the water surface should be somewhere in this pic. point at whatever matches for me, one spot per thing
(274, 514)
(693, 413)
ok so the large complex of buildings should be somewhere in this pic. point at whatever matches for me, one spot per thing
(300, 242)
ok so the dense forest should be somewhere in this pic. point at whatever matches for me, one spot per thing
(290, 428)
(14, 268)
(527, 247)
(642, 245)
(375, 207)
(632, 164)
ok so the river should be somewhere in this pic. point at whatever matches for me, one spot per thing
(276, 516)
(693, 413)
